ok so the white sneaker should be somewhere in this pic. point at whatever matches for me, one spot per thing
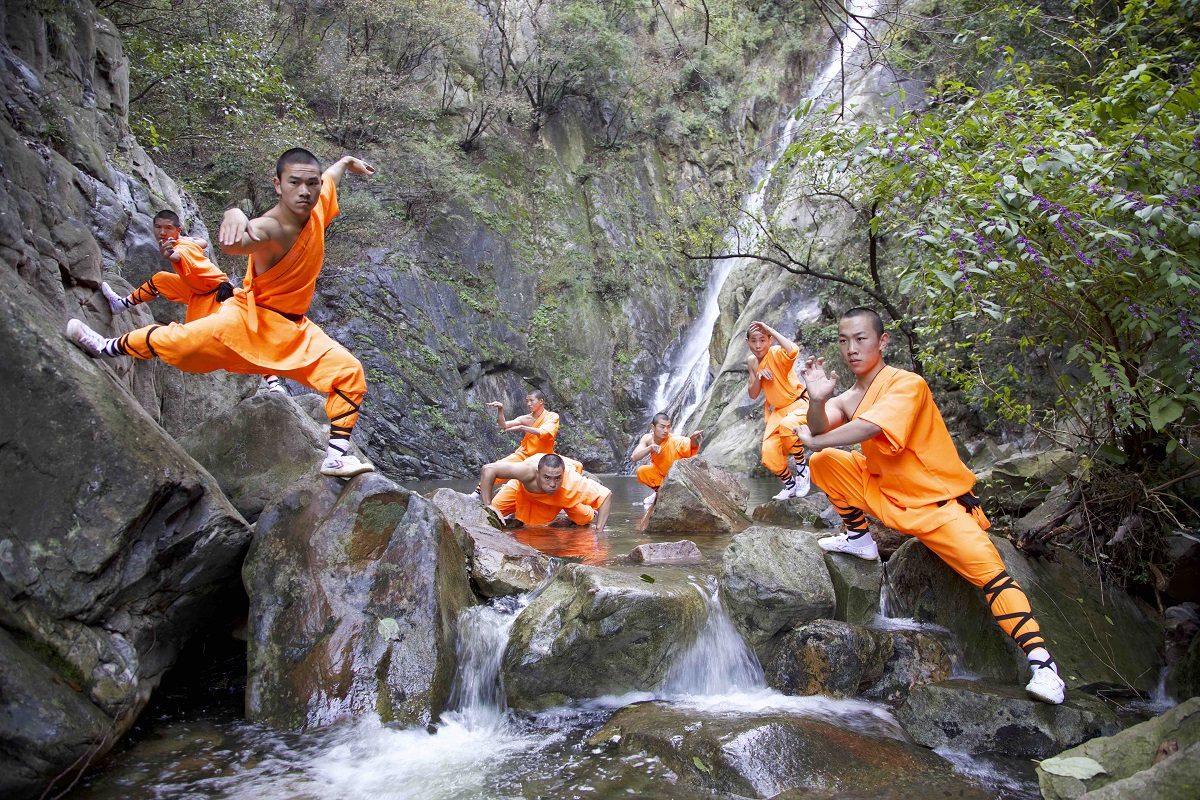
(803, 481)
(863, 546)
(345, 467)
(1046, 686)
(649, 501)
(116, 303)
(275, 384)
(85, 338)
(788, 490)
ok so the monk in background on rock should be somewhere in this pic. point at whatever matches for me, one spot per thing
(539, 426)
(539, 488)
(908, 476)
(263, 329)
(664, 449)
(196, 283)
(770, 372)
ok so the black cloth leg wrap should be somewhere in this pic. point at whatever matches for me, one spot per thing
(1028, 641)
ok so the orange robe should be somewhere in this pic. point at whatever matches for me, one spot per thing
(908, 477)
(673, 448)
(262, 329)
(534, 443)
(580, 497)
(193, 283)
(785, 409)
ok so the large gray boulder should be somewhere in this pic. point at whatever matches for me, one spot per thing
(355, 589)
(856, 584)
(595, 631)
(773, 580)
(114, 543)
(770, 753)
(982, 717)
(697, 497)
(1159, 758)
(917, 657)
(498, 564)
(258, 449)
(812, 511)
(1096, 633)
(1019, 483)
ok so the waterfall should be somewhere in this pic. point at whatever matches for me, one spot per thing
(477, 695)
(680, 389)
(719, 662)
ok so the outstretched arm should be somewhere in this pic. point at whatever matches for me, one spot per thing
(753, 382)
(347, 164)
(787, 344)
(496, 471)
(602, 513)
(643, 448)
(242, 236)
(853, 432)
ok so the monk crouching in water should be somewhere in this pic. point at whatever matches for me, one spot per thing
(538, 488)
(263, 329)
(910, 478)
(664, 449)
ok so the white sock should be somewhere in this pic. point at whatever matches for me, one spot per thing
(337, 448)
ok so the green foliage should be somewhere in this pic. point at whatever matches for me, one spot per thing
(1071, 215)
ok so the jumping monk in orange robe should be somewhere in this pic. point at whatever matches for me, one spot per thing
(539, 426)
(908, 476)
(540, 487)
(664, 449)
(197, 282)
(770, 373)
(263, 329)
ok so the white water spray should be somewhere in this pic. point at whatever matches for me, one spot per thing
(718, 662)
(683, 384)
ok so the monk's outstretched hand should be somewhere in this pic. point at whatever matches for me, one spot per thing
(234, 225)
(695, 436)
(820, 384)
(806, 438)
(167, 248)
(359, 167)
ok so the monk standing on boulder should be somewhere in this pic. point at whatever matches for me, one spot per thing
(540, 487)
(770, 372)
(910, 477)
(263, 329)
(664, 449)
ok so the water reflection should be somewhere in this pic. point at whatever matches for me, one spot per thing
(583, 545)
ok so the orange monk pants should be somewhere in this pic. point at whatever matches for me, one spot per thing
(651, 476)
(194, 348)
(513, 499)
(780, 441)
(177, 290)
(961, 543)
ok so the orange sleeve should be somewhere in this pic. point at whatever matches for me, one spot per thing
(327, 204)
(897, 408)
(550, 426)
(195, 267)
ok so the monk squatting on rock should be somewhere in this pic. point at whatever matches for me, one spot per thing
(910, 477)
(262, 329)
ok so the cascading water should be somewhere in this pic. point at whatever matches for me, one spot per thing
(680, 389)
(718, 662)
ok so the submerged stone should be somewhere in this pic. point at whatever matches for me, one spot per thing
(681, 552)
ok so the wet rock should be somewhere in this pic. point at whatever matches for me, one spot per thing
(825, 657)
(1134, 762)
(697, 497)
(499, 565)
(258, 449)
(773, 580)
(856, 587)
(1097, 634)
(820, 751)
(917, 658)
(1057, 506)
(1183, 681)
(983, 717)
(114, 543)
(812, 511)
(355, 588)
(1183, 553)
(595, 631)
(1019, 483)
(684, 551)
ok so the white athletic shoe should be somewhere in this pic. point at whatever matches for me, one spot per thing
(649, 501)
(274, 384)
(1046, 686)
(863, 546)
(85, 338)
(345, 466)
(803, 481)
(116, 303)
(788, 490)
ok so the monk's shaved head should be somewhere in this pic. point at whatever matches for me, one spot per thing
(167, 215)
(860, 311)
(537, 394)
(297, 155)
(552, 461)
(660, 417)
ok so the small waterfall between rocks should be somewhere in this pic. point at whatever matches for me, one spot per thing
(680, 388)
(719, 662)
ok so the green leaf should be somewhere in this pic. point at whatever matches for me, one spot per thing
(1080, 767)
(700, 765)
(646, 578)
(1164, 411)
